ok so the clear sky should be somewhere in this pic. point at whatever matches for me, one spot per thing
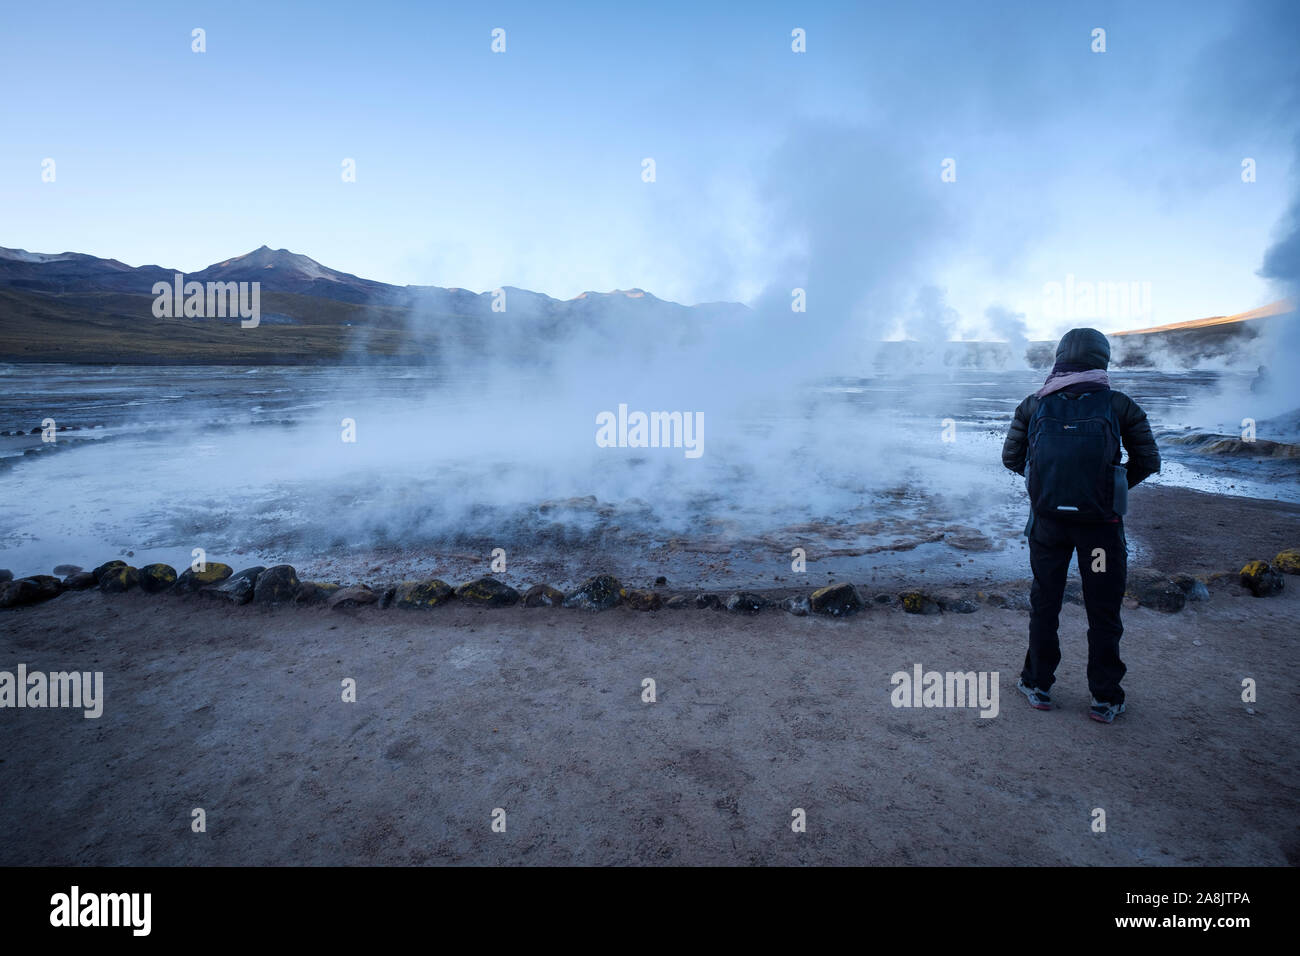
(774, 169)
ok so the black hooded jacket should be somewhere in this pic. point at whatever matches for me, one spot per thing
(1088, 348)
(1135, 432)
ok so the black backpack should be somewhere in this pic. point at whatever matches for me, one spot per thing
(1072, 470)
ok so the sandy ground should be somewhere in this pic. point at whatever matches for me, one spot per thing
(539, 712)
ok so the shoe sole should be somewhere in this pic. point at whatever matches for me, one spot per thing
(1102, 720)
(1032, 704)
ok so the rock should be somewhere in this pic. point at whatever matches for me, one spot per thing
(1261, 580)
(352, 597)
(99, 571)
(6, 575)
(19, 593)
(214, 572)
(745, 602)
(1194, 588)
(586, 503)
(1288, 561)
(47, 586)
(915, 602)
(543, 595)
(79, 581)
(119, 578)
(64, 570)
(640, 600)
(968, 539)
(679, 602)
(796, 604)
(836, 600)
(707, 601)
(956, 603)
(883, 599)
(314, 592)
(422, 594)
(276, 585)
(596, 594)
(239, 588)
(1155, 590)
(661, 582)
(487, 592)
(1014, 601)
(155, 578)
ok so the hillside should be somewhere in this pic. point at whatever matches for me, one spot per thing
(1222, 339)
(1235, 338)
(71, 307)
(1275, 308)
(116, 328)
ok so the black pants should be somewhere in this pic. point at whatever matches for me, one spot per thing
(1052, 543)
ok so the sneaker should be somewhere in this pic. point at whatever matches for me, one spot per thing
(1103, 712)
(1038, 699)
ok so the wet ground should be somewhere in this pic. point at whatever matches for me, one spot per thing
(855, 476)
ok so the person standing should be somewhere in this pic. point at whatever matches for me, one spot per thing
(1065, 439)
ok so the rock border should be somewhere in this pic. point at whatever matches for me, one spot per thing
(280, 585)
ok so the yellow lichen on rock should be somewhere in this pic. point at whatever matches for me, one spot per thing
(118, 579)
(212, 573)
(1260, 579)
(422, 594)
(1254, 569)
(157, 577)
(1288, 561)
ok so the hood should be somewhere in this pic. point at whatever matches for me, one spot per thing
(1086, 347)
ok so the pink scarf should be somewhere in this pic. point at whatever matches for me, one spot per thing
(1059, 380)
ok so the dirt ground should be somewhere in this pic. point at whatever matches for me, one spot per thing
(539, 712)
(1197, 533)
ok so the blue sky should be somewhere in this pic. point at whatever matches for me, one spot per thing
(774, 169)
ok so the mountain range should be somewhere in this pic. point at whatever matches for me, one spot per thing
(73, 307)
